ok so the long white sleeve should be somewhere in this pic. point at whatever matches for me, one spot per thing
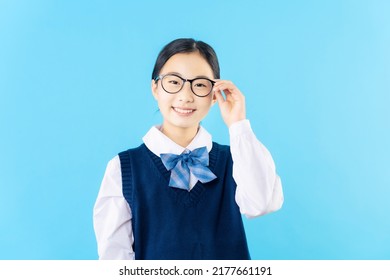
(259, 188)
(112, 217)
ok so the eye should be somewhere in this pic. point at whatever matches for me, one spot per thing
(173, 82)
(200, 85)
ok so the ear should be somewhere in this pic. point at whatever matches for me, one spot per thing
(153, 86)
(214, 99)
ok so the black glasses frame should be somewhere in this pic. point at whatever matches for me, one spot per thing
(161, 77)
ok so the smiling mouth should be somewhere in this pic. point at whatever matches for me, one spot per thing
(183, 111)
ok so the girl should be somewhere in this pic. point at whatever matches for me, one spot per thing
(179, 195)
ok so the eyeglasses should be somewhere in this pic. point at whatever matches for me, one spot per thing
(172, 84)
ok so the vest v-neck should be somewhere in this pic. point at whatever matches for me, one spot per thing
(188, 198)
(174, 224)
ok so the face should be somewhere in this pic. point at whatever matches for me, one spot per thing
(183, 109)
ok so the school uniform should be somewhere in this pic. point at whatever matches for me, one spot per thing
(147, 219)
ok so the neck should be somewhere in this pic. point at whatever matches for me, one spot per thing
(179, 135)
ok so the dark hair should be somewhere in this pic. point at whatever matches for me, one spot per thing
(187, 45)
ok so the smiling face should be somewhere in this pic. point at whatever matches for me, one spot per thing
(183, 110)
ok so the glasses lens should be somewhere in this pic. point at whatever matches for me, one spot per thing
(172, 84)
(202, 87)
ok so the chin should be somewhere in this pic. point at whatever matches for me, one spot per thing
(185, 125)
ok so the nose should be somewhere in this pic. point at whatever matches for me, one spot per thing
(185, 94)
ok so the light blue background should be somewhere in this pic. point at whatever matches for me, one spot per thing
(75, 90)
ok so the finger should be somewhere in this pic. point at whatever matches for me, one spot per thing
(219, 97)
(235, 95)
(218, 82)
(226, 87)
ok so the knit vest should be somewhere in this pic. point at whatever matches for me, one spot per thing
(175, 224)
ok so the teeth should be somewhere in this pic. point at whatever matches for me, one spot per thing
(183, 111)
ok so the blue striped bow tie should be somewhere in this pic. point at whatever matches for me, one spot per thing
(180, 166)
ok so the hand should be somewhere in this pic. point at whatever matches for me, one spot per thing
(233, 106)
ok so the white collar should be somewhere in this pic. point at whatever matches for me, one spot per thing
(158, 143)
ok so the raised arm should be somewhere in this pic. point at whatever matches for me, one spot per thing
(259, 188)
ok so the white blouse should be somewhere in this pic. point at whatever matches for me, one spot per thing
(259, 189)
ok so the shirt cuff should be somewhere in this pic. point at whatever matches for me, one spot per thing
(240, 128)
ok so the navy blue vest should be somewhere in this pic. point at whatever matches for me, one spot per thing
(174, 224)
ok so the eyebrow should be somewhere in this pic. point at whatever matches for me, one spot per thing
(196, 77)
